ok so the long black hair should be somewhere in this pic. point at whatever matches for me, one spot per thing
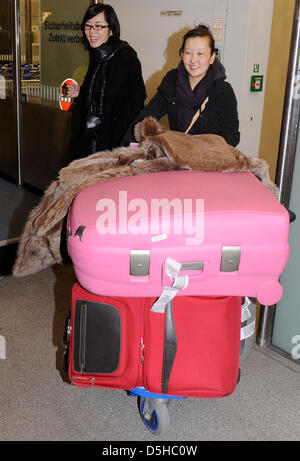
(110, 16)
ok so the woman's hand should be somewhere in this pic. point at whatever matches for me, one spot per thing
(72, 90)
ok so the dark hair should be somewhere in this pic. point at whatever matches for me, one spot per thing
(200, 31)
(110, 16)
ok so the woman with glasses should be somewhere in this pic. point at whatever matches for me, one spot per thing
(195, 95)
(113, 90)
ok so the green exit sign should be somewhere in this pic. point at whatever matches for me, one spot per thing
(256, 83)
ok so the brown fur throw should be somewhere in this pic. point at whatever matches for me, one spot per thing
(159, 150)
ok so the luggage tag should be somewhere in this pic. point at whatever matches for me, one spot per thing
(245, 311)
(249, 329)
(172, 268)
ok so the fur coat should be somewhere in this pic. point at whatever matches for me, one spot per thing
(159, 150)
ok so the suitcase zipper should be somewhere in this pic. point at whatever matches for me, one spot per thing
(82, 336)
(83, 378)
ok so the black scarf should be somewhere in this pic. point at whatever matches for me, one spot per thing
(188, 100)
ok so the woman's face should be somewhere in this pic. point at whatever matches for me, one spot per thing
(197, 57)
(100, 36)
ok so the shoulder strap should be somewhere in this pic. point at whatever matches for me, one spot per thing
(170, 347)
(197, 115)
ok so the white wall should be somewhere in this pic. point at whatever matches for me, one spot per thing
(157, 38)
(245, 41)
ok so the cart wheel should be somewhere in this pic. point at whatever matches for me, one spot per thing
(158, 421)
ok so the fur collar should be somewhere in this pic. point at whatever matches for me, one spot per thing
(159, 150)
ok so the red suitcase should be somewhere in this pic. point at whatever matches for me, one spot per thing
(190, 351)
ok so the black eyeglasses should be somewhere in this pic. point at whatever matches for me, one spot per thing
(95, 27)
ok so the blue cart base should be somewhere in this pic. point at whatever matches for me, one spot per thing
(153, 409)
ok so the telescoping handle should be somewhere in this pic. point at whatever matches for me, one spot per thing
(192, 266)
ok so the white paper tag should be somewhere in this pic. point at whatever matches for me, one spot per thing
(172, 269)
(180, 282)
(157, 238)
(246, 314)
(167, 295)
(247, 330)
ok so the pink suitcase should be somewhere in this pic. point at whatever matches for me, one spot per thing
(200, 233)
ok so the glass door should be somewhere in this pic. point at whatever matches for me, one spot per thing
(51, 52)
(8, 128)
(286, 328)
(40, 47)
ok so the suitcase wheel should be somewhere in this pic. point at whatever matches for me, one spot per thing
(154, 414)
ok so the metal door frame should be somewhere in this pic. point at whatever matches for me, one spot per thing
(286, 159)
(17, 85)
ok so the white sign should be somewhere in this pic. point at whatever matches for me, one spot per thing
(217, 29)
(171, 13)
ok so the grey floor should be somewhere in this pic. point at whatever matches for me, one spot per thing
(15, 204)
(38, 404)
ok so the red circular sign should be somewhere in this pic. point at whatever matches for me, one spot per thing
(64, 101)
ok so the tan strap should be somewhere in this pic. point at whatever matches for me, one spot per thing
(193, 121)
(197, 115)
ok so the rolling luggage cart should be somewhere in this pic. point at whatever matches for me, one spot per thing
(162, 329)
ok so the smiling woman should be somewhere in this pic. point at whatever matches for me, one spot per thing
(97, 31)
(197, 56)
(113, 91)
(195, 96)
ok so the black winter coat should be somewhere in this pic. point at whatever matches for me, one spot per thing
(219, 116)
(111, 96)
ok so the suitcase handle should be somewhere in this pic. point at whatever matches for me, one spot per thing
(192, 266)
(195, 270)
(179, 282)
